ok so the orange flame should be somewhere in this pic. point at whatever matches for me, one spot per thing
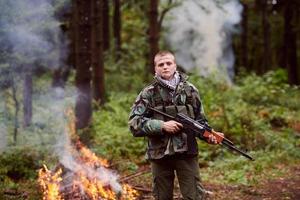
(89, 157)
(95, 189)
(50, 183)
(129, 193)
(92, 187)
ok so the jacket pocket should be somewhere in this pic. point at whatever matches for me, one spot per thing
(157, 147)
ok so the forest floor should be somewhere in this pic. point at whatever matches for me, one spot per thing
(285, 187)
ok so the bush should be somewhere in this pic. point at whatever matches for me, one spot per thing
(20, 164)
(112, 135)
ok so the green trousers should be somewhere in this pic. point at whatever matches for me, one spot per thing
(187, 172)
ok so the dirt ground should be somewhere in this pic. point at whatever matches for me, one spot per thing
(286, 187)
(278, 189)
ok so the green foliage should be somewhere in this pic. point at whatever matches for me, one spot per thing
(246, 110)
(112, 136)
(258, 114)
(20, 164)
(125, 70)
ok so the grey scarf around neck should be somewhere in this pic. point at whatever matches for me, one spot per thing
(172, 84)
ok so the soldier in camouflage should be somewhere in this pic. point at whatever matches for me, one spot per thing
(169, 148)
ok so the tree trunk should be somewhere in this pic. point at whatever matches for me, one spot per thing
(97, 51)
(106, 31)
(267, 58)
(17, 108)
(82, 25)
(290, 41)
(60, 76)
(27, 99)
(244, 38)
(117, 28)
(153, 33)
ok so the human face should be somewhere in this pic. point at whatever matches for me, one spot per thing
(165, 66)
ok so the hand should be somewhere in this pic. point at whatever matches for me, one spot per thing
(172, 127)
(212, 139)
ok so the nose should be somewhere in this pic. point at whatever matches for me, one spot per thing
(165, 65)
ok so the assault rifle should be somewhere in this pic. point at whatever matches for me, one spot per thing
(202, 130)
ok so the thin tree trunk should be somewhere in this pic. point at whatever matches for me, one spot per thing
(106, 31)
(56, 78)
(83, 107)
(117, 28)
(266, 37)
(244, 38)
(97, 51)
(290, 42)
(27, 99)
(60, 76)
(17, 108)
(153, 33)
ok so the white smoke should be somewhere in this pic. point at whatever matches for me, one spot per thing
(67, 157)
(32, 33)
(200, 34)
(32, 38)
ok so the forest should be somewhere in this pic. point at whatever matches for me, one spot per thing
(70, 72)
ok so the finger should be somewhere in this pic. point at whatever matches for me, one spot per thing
(179, 125)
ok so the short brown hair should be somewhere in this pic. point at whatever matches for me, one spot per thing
(163, 53)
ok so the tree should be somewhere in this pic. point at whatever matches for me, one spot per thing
(262, 6)
(153, 33)
(291, 14)
(244, 37)
(82, 43)
(266, 36)
(97, 51)
(117, 28)
(27, 99)
(155, 24)
(106, 29)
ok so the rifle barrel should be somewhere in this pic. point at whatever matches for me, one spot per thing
(224, 143)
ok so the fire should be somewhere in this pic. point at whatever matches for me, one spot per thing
(95, 189)
(129, 192)
(50, 183)
(86, 179)
(89, 157)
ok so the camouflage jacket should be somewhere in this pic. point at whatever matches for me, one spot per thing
(143, 123)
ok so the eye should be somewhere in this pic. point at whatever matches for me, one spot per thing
(169, 63)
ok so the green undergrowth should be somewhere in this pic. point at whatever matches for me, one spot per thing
(112, 136)
(257, 113)
(268, 165)
(19, 172)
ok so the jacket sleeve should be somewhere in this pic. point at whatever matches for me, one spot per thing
(140, 122)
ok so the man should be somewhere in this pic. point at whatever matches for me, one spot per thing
(170, 149)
